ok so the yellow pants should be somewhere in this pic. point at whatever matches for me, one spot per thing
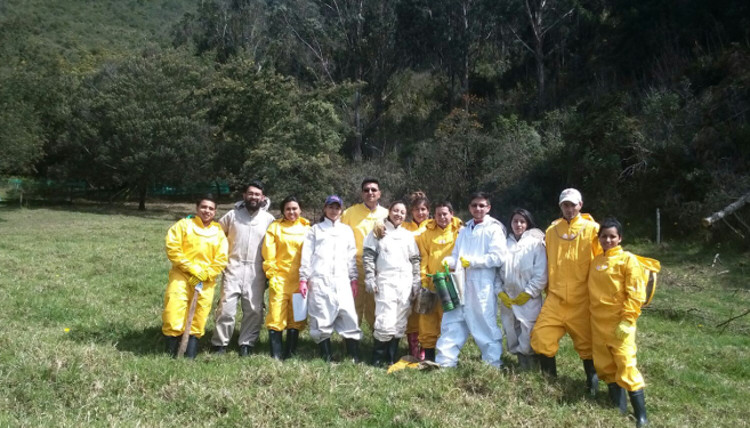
(280, 314)
(614, 359)
(429, 326)
(412, 325)
(558, 318)
(364, 303)
(177, 302)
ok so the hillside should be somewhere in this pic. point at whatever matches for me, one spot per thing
(80, 34)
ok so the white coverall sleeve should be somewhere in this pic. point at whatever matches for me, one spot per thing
(538, 280)
(496, 253)
(308, 248)
(351, 257)
(498, 284)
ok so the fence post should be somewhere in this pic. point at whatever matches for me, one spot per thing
(658, 227)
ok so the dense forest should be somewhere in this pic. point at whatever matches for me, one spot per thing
(642, 104)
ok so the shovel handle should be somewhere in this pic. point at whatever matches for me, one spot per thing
(189, 323)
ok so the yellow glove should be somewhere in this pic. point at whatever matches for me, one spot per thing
(196, 271)
(522, 298)
(425, 283)
(465, 263)
(193, 281)
(624, 329)
(507, 301)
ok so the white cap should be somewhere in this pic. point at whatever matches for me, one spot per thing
(571, 195)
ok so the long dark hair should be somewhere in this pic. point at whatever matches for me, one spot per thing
(526, 215)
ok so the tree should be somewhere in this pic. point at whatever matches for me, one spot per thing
(139, 123)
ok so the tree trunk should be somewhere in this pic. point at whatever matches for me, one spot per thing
(142, 197)
(465, 77)
(729, 209)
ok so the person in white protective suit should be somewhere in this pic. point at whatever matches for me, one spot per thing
(328, 277)
(481, 250)
(391, 262)
(522, 279)
(244, 279)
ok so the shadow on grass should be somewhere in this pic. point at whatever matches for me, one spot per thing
(148, 341)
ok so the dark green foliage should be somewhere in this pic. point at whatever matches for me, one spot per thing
(137, 123)
(640, 104)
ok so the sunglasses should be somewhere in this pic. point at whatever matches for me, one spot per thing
(370, 190)
(479, 205)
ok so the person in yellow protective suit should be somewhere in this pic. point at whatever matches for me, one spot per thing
(197, 248)
(362, 218)
(419, 207)
(617, 290)
(281, 259)
(571, 245)
(435, 244)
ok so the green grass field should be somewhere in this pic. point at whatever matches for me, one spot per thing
(82, 293)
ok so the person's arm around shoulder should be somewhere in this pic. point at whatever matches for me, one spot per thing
(268, 250)
(221, 256)
(226, 221)
(596, 247)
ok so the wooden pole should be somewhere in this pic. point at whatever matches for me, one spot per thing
(658, 227)
(189, 322)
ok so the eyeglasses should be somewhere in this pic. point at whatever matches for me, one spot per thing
(370, 190)
(479, 205)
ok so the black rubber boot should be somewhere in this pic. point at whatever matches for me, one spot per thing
(274, 339)
(592, 380)
(172, 344)
(548, 365)
(325, 350)
(525, 362)
(352, 349)
(290, 347)
(379, 352)
(192, 348)
(219, 350)
(429, 354)
(638, 401)
(393, 350)
(246, 350)
(618, 398)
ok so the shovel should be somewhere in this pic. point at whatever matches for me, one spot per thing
(189, 322)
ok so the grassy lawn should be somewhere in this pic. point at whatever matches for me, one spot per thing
(81, 344)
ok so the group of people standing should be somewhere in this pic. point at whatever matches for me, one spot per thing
(369, 263)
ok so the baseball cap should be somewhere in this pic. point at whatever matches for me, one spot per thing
(571, 195)
(334, 199)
